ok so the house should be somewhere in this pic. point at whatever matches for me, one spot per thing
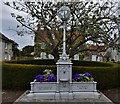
(6, 46)
(96, 53)
(113, 52)
(104, 53)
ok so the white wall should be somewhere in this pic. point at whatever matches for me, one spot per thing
(0, 49)
(76, 57)
(6, 53)
(94, 57)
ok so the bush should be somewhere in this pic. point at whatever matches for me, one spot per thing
(33, 62)
(52, 62)
(91, 63)
(19, 76)
(118, 62)
(106, 77)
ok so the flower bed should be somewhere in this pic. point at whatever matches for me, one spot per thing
(48, 83)
(50, 77)
(86, 77)
(47, 77)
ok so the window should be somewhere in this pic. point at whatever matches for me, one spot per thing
(6, 55)
(6, 46)
(10, 51)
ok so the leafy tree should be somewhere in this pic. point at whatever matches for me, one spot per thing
(27, 50)
(89, 22)
(16, 52)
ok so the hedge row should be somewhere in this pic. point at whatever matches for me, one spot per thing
(107, 77)
(52, 62)
(18, 76)
(33, 62)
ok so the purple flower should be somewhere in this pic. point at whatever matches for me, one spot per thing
(87, 74)
(76, 76)
(40, 78)
(51, 78)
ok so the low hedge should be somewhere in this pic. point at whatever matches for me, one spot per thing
(19, 76)
(91, 63)
(106, 77)
(33, 62)
(52, 62)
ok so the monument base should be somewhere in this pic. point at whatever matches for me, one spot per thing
(64, 97)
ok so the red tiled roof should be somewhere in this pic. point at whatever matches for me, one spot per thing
(97, 48)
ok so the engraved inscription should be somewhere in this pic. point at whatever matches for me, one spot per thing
(83, 87)
(44, 87)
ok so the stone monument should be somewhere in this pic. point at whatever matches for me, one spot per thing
(64, 88)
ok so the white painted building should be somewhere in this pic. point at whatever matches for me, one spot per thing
(97, 53)
(113, 53)
(6, 46)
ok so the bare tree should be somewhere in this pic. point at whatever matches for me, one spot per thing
(89, 22)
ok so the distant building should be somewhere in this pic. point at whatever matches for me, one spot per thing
(113, 52)
(6, 45)
(97, 53)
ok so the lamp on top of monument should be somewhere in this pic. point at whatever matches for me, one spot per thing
(64, 13)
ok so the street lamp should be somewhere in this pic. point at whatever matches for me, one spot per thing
(64, 14)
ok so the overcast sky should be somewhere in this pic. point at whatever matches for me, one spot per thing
(8, 23)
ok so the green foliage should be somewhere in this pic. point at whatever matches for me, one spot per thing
(37, 50)
(16, 52)
(106, 77)
(53, 62)
(27, 50)
(118, 62)
(34, 62)
(19, 76)
(91, 63)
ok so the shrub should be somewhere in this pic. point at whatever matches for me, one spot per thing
(106, 77)
(91, 63)
(52, 62)
(33, 62)
(118, 62)
(19, 76)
